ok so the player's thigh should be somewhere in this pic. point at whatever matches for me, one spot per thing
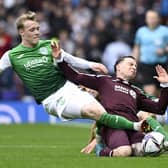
(77, 103)
(69, 102)
(135, 136)
(118, 141)
(115, 138)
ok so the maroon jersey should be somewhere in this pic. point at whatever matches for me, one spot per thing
(116, 95)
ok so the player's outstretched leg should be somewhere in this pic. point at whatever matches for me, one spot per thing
(94, 110)
(118, 122)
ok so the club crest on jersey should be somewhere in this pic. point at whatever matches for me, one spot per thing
(43, 50)
(132, 93)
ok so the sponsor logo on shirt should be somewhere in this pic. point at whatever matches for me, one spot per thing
(122, 89)
(35, 62)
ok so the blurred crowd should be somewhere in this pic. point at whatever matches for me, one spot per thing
(86, 28)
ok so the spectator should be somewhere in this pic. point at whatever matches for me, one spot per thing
(113, 51)
(66, 42)
(92, 49)
(99, 27)
(5, 39)
(105, 10)
(151, 48)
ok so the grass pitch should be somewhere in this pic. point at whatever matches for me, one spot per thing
(58, 146)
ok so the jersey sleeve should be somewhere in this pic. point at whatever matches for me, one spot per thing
(75, 61)
(88, 80)
(157, 107)
(5, 62)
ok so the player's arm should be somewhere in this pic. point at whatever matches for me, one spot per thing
(90, 81)
(61, 55)
(146, 104)
(92, 141)
(164, 50)
(5, 62)
(137, 44)
(89, 147)
(93, 92)
(136, 51)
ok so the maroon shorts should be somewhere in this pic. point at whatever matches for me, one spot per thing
(114, 138)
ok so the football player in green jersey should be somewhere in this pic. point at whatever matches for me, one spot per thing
(33, 61)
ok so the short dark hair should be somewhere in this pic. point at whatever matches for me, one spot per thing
(120, 59)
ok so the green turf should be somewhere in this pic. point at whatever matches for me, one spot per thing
(58, 146)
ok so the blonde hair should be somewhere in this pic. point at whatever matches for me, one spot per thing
(26, 16)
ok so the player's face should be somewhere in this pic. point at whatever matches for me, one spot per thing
(152, 19)
(127, 69)
(30, 33)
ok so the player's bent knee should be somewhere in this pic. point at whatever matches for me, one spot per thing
(92, 110)
(122, 151)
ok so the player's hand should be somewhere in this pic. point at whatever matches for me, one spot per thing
(94, 93)
(90, 147)
(98, 67)
(56, 49)
(162, 74)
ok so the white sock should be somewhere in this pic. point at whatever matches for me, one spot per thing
(137, 126)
